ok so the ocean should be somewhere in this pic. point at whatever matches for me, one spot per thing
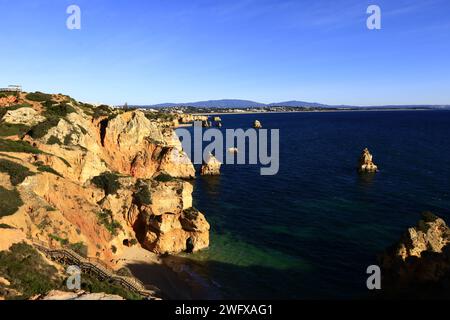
(312, 230)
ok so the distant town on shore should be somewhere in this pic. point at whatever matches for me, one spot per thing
(246, 106)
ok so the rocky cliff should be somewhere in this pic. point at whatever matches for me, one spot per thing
(419, 264)
(95, 178)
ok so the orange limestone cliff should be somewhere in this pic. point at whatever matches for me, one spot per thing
(96, 177)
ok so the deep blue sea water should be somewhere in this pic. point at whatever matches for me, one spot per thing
(311, 230)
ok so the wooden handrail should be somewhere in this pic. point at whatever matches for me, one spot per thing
(98, 266)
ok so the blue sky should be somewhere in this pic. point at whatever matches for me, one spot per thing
(153, 51)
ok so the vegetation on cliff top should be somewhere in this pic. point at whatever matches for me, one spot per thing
(108, 181)
(5, 94)
(164, 177)
(38, 96)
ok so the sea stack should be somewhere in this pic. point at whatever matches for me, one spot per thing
(211, 167)
(257, 124)
(365, 162)
(418, 266)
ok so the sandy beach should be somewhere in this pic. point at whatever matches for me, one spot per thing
(170, 275)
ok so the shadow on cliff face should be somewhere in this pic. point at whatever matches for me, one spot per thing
(408, 276)
(427, 277)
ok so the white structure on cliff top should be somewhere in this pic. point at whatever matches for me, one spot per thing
(12, 88)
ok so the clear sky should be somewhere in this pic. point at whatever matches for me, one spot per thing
(153, 51)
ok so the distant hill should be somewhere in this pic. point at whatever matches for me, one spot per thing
(224, 103)
(237, 103)
(295, 103)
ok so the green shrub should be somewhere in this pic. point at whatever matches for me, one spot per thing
(41, 129)
(91, 284)
(53, 140)
(27, 271)
(38, 96)
(87, 108)
(162, 116)
(4, 94)
(17, 173)
(13, 129)
(49, 103)
(10, 201)
(5, 226)
(58, 111)
(18, 146)
(44, 168)
(68, 139)
(164, 177)
(142, 196)
(102, 111)
(79, 248)
(108, 182)
(113, 249)
(53, 113)
(105, 218)
(62, 241)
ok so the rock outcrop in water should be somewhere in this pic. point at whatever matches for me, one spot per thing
(211, 167)
(366, 162)
(419, 264)
(257, 124)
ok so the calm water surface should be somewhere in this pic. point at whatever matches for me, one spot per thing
(311, 230)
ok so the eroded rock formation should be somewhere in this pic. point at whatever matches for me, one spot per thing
(98, 177)
(211, 167)
(419, 264)
(366, 162)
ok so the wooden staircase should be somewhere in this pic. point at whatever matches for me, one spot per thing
(96, 268)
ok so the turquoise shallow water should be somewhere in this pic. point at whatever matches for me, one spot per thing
(312, 230)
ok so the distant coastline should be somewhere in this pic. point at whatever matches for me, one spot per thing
(315, 111)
